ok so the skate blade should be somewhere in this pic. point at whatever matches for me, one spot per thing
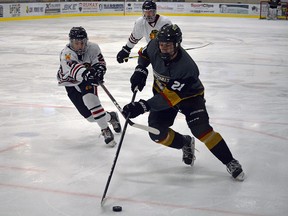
(240, 177)
(111, 144)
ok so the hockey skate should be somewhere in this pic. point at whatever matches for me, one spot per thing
(114, 121)
(235, 169)
(108, 137)
(189, 150)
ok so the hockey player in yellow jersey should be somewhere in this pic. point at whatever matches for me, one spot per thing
(177, 89)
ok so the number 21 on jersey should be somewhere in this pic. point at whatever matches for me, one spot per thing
(177, 86)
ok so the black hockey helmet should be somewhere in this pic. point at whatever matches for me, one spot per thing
(78, 34)
(170, 33)
(149, 5)
(149, 10)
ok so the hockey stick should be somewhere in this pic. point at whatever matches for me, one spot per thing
(117, 153)
(192, 48)
(139, 126)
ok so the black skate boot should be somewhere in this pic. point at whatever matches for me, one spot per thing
(114, 121)
(189, 150)
(235, 169)
(108, 137)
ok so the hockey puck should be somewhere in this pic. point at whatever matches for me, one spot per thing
(117, 208)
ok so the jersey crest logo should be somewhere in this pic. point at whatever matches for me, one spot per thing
(153, 34)
(68, 57)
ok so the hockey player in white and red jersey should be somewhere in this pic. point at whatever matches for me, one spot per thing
(145, 26)
(82, 67)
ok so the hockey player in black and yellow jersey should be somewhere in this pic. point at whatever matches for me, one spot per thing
(177, 88)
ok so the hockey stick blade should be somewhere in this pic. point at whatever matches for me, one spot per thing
(144, 127)
(103, 201)
(131, 123)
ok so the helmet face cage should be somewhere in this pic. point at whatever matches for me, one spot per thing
(170, 33)
(78, 34)
(149, 10)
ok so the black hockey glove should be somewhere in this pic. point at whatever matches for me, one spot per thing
(123, 53)
(139, 78)
(95, 74)
(135, 108)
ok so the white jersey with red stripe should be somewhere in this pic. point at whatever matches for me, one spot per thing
(142, 28)
(71, 74)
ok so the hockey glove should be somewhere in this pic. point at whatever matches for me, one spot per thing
(123, 54)
(135, 108)
(138, 79)
(95, 74)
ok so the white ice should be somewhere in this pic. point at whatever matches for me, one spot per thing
(54, 163)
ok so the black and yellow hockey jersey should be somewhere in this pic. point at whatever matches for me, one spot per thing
(174, 81)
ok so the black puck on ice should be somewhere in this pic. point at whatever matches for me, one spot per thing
(117, 208)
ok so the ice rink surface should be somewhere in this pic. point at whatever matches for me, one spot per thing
(54, 163)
